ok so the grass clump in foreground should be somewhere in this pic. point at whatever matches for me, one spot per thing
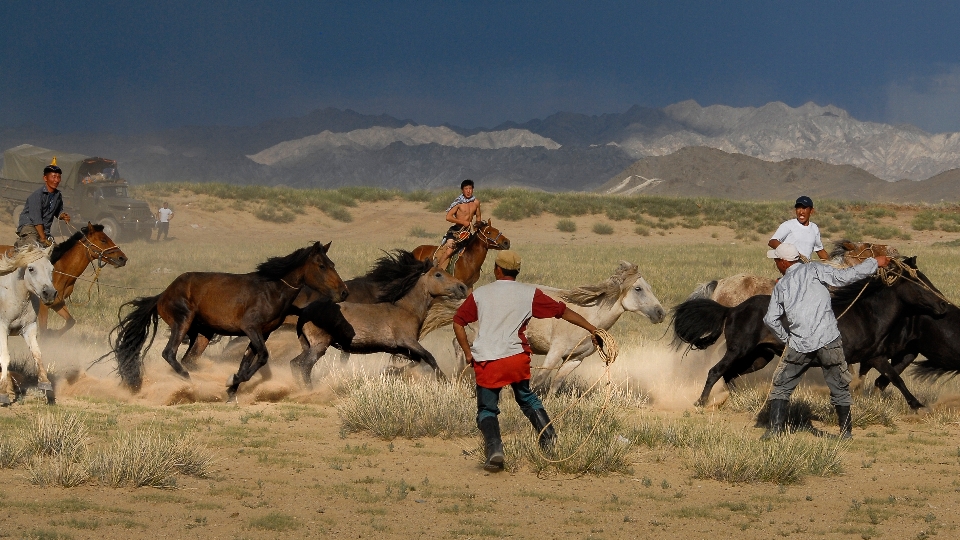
(56, 451)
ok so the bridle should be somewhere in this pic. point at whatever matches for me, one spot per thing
(491, 242)
(98, 254)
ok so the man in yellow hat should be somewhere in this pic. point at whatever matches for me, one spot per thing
(41, 208)
(500, 354)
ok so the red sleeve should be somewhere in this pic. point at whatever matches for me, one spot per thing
(467, 312)
(545, 307)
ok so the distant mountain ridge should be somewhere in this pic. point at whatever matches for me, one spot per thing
(564, 151)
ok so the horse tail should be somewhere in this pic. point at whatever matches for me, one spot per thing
(704, 290)
(130, 338)
(698, 323)
(929, 369)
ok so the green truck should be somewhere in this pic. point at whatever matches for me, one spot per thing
(92, 188)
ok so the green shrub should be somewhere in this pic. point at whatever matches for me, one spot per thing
(924, 221)
(691, 222)
(881, 232)
(878, 212)
(566, 225)
(274, 215)
(602, 228)
(642, 230)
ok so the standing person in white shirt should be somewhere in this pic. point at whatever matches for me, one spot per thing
(801, 232)
(164, 215)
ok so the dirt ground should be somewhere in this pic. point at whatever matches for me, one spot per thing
(285, 470)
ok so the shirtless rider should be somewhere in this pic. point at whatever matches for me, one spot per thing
(463, 212)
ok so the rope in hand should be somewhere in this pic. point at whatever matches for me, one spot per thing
(889, 277)
(608, 351)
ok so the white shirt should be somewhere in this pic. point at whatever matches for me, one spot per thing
(805, 238)
(164, 214)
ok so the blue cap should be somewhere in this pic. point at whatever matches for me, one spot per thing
(804, 201)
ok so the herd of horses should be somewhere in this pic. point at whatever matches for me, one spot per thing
(885, 321)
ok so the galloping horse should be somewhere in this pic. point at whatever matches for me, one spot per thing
(200, 304)
(467, 268)
(392, 325)
(566, 345)
(732, 290)
(23, 272)
(869, 315)
(89, 245)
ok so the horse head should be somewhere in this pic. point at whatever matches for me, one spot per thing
(492, 236)
(441, 284)
(322, 275)
(101, 247)
(636, 294)
(915, 290)
(37, 274)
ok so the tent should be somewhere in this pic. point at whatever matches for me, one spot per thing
(26, 162)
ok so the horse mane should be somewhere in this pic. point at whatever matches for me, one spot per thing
(843, 297)
(838, 249)
(275, 268)
(396, 274)
(14, 259)
(61, 249)
(605, 293)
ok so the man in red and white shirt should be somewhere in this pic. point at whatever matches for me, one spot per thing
(500, 354)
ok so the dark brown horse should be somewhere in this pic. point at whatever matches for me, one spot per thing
(89, 245)
(200, 304)
(467, 267)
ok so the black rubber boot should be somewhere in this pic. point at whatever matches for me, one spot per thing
(490, 428)
(540, 420)
(778, 418)
(843, 419)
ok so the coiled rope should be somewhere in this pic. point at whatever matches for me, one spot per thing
(608, 351)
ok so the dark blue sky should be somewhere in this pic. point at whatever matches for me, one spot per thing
(138, 66)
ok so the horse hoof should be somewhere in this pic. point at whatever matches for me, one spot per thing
(231, 381)
(51, 398)
(231, 397)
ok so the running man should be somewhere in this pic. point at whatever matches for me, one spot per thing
(801, 232)
(463, 212)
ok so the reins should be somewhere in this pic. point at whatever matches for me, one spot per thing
(97, 259)
(889, 278)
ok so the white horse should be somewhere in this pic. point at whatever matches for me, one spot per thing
(26, 278)
(565, 344)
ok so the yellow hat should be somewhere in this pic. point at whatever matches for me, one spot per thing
(508, 260)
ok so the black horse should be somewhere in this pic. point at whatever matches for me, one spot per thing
(871, 314)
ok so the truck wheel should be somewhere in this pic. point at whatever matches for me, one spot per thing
(17, 210)
(111, 228)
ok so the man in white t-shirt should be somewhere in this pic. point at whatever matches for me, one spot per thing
(801, 232)
(164, 215)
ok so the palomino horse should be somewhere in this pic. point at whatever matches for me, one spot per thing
(732, 290)
(870, 311)
(200, 304)
(467, 268)
(23, 272)
(89, 245)
(392, 325)
(566, 345)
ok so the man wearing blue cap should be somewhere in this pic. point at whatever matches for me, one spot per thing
(801, 232)
(41, 208)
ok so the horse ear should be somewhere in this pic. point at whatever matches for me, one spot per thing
(849, 246)
(326, 248)
(911, 261)
(90, 225)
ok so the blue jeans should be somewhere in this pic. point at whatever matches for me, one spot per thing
(488, 400)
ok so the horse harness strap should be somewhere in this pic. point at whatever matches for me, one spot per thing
(889, 278)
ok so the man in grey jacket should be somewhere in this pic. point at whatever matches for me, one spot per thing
(811, 335)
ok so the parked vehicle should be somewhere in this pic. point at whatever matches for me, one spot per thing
(92, 187)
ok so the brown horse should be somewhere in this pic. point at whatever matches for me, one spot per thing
(392, 325)
(200, 304)
(467, 267)
(89, 245)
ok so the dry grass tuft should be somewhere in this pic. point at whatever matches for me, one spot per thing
(57, 435)
(149, 458)
(56, 470)
(12, 452)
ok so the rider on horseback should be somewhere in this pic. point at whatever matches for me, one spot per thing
(462, 212)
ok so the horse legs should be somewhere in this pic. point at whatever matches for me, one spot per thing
(43, 383)
(169, 354)
(565, 370)
(542, 379)
(884, 367)
(898, 365)
(716, 372)
(314, 343)
(248, 367)
(198, 343)
(416, 352)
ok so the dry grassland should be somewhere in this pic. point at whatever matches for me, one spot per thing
(372, 456)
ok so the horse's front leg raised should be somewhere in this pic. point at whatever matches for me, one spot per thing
(43, 383)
